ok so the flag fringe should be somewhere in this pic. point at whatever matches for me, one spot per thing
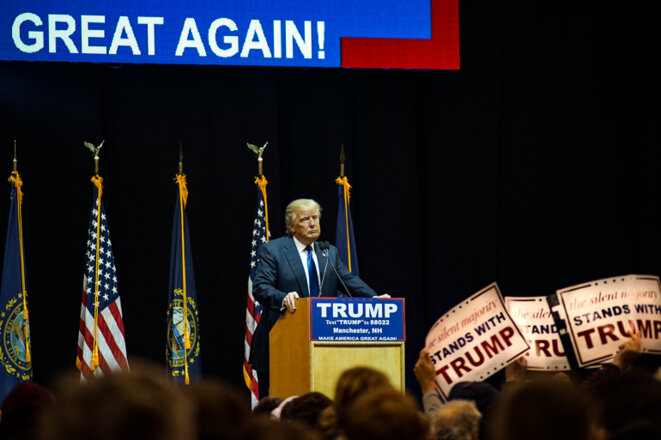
(98, 183)
(345, 183)
(261, 183)
(15, 178)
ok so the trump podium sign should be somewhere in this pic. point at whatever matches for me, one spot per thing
(357, 319)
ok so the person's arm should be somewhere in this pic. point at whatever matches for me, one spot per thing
(516, 371)
(628, 351)
(426, 376)
(356, 286)
(264, 285)
(626, 354)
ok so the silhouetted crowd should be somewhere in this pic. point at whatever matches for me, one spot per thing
(616, 402)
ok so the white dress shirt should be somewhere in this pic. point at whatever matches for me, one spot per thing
(304, 260)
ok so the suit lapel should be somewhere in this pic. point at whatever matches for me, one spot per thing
(297, 267)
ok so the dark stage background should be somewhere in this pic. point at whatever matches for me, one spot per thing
(536, 165)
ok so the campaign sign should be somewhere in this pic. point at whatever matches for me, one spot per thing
(474, 340)
(533, 317)
(357, 319)
(600, 315)
(395, 34)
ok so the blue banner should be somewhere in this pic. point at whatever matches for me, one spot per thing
(345, 241)
(233, 32)
(182, 351)
(357, 319)
(15, 361)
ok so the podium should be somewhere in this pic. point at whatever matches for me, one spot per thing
(311, 347)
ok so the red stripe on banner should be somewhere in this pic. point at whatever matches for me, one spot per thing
(251, 306)
(255, 387)
(441, 52)
(85, 369)
(103, 365)
(112, 344)
(117, 314)
(81, 330)
(248, 336)
(88, 340)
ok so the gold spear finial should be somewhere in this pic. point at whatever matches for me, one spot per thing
(343, 158)
(258, 151)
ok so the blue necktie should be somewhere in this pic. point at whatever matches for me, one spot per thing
(313, 279)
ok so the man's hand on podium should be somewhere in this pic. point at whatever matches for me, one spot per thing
(384, 296)
(290, 301)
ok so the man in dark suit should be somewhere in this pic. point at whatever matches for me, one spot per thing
(293, 267)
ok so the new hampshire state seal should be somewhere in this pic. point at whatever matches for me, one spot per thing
(15, 339)
(175, 350)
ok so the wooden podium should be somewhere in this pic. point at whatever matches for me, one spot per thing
(299, 363)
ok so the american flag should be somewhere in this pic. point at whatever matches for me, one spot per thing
(253, 309)
(108, 331)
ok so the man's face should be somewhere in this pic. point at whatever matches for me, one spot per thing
(306, 227)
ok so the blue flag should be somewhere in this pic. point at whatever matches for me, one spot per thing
(183, 340)
(15, 361)
(344, 239)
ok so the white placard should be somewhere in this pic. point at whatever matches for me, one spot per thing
(474, 340)
(533, 317)
(601, 313)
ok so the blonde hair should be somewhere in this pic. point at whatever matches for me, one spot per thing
(456, 420)
(299, 205)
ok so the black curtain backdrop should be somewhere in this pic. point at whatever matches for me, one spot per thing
(536, 165)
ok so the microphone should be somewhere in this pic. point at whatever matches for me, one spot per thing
(323, 247)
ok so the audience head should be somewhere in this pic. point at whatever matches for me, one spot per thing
(306, 408)
(220, 410)
(482, 393)
(628, 403)
(266, 405)
(456, 420)
(356, 381)
(137, 404)
(385, 414)
(542, 410)
(275, 414)
(20, 409)
(262, 428)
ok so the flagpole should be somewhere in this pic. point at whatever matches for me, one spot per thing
(183, 195)
(343, 158)
(101, 342)
(261, 180)
(342, 180)
(18, 183)
(253, 309)
(97, 180)
(15, 161)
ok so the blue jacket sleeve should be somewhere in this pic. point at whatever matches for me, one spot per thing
(266, 276)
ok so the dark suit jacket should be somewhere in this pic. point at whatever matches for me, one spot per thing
(280, 271)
